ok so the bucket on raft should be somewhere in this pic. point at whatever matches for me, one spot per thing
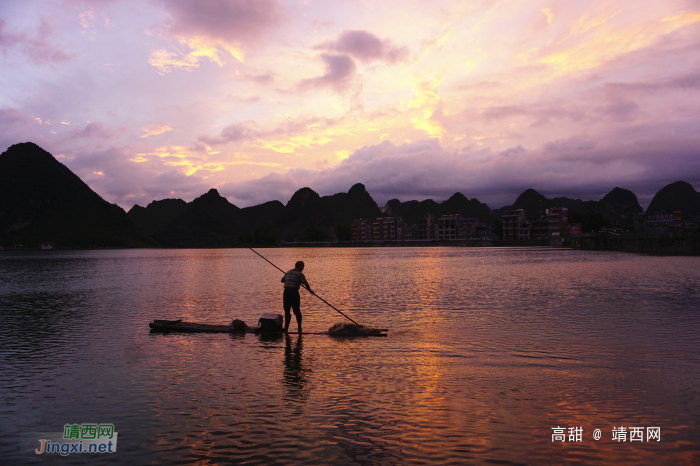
(270, 323)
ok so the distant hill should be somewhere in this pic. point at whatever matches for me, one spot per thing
(157, 214)
(428, 206)
(458, 203)
(346, 207)
(261, 215)
(470, 208)
(308, 216)
(617, 202)
(498, 213)
(396, 208)
(209, 221)
(305, 209)
(534, 203)
(41, 200)
(566, 202)
(676, 196)
(530, 199)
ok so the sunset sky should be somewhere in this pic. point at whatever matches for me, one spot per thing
(153, 99)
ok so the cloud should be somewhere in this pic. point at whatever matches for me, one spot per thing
(154, 129)
(206, 29)
(426, 169)
(232, 133)
(620, 109)
(232, 21)
(685, 81)
(284, 137)
(365, 47)
(112, 173)
(573, 143)
(16, 126)
(539, 113)
(37, 47)
(12, 116)
(94, 129)
(175, 184)
(340, 69)
(166, 61)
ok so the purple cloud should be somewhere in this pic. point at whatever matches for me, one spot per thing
(94, 129)
(340, 70)
(249, 130)
(38, 47)
(232, 133)
(426, 169)
(12, 116)
(175, 184)
(16, 127)
(365, 47)
(574, 143)
(541, 114)
(229, 20)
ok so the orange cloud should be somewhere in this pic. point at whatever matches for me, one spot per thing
(200, 48)
(153, 129)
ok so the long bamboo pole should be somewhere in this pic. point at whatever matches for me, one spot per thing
(315, 294)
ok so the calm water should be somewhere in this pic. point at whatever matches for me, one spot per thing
(488, 350)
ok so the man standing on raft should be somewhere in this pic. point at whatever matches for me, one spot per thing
(291, 300)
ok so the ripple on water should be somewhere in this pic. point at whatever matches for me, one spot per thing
(488, 350)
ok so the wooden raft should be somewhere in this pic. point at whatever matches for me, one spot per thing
(193, 327)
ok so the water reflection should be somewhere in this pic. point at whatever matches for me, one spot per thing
(295, 376)
(488, 350)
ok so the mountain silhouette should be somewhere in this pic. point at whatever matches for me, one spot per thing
(458, 203)
(209, 221)
(41, 200)
(533, 203)
(470, 208)
(614, 204)
(346, 207)
(569, 203)
(676, 196)
(157, 214)
(396, 208)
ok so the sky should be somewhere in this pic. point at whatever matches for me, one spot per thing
(146, 100)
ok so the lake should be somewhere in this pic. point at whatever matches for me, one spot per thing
(491, 353)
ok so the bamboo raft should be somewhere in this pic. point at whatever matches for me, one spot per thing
(164, 326)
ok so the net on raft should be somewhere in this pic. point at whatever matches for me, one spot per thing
(347, 328)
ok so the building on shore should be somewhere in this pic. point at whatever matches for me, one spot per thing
(573, 229)
(361, 231)
(539, 229)
(557, 219)
(411, 233)
(554, 223)
(524, 231)
(393, 229)
(377, 229)
(512, 220)
(426, 227)
(380, 229)
(661, 222)
(485, 232)
(448, 227)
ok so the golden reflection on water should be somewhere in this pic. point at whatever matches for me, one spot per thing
(487, 351)
(295, 375)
